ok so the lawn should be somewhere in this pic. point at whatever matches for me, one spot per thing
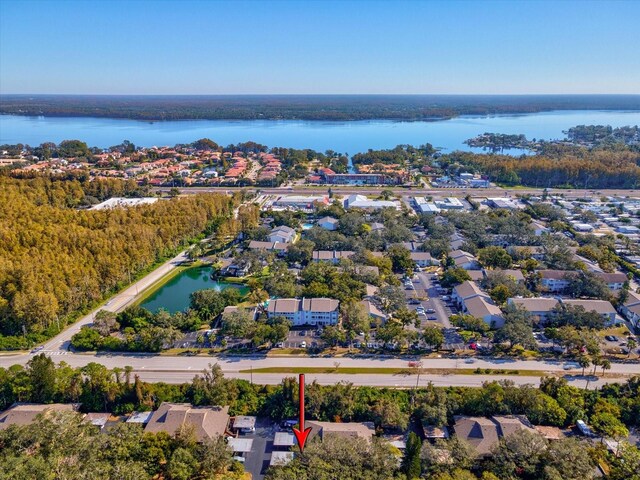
(395, 371)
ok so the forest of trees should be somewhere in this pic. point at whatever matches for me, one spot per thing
(56, 260)
(304, 107)
(562, 167)
(610, 411)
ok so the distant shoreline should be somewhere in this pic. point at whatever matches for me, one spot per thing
(331, 108)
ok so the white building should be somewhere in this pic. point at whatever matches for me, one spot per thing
(282, 234)
(554, 281)
(301, 202)
(328, 223)
(306, 311)
(449, 203)
(360, 201)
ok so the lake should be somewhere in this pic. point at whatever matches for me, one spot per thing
(173, 296)
(344, 137)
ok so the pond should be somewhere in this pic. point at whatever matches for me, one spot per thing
(173, 296)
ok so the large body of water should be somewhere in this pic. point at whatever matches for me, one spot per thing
(344, 137)
(174, 295)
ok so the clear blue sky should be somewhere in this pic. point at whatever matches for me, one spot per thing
(208, 47)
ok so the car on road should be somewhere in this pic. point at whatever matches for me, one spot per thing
(469, 360)
(37, 349)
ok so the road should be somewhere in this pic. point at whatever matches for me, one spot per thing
(156, 368)
(411, 192)
(61, 342)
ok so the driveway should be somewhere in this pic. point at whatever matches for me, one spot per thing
(257, 460)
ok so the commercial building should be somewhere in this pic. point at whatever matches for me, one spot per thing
(306, 311)
(301, 202)
(360, 201)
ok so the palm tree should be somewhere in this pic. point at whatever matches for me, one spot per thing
(584, 362)
(606, 365)
(128, 369)
(632, 344)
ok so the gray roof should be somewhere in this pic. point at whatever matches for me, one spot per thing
(283, 439)
(292, 305)
(26, 413)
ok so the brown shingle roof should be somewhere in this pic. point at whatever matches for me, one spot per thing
(208, 422)
(26, 413)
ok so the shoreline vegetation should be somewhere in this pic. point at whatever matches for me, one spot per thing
(303, 107)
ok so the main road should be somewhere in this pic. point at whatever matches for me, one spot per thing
(410, 192)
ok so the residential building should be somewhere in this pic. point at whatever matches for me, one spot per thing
(465, 291)
(362, 179)
(25, 413)
(602, 307)
(540, 308)
(328, 223)
(516, 275)
(207, 422)
(464, 260)
(615, 281)
(268, 246)
(375, 314)
(631, 308)
(364, 430)
(282, 234)
(523, 251)
(554, 281)
(423, 259)
(331, 256)
(485, 309)
(539, 228)
(483, 433)
(306, 311)
(502, 202)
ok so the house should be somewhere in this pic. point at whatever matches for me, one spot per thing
(539, 308)
(631, 308)
(412, 246)
(423, 259)
(306, 311)
(141, 418)
(483, 433)
(331, 256)
(602, 307)
(375, 314)
(464, 260)
(365, 430)
(615, 281)
(554, 281)
(282, 234)
(207, 422)
(25, 413)
(328, 223)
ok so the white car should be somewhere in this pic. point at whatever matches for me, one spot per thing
(421, 311)
(303, 345)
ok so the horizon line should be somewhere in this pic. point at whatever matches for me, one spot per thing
(316, 94)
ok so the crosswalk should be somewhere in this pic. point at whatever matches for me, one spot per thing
(50, 352)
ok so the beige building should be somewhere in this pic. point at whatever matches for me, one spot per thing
(207, 422)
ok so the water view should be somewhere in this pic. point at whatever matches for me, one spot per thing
(174, 295)
(344, 137)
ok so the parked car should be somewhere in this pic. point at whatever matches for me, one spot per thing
(303, 344)
(432, 317)
(420, 311)
(611, 338)
(430, 310)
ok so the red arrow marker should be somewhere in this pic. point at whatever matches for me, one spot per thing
(302, 434)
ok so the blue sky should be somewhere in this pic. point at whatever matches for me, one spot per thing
(234, 47)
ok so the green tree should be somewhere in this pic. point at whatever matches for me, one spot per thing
(494, 257)
(454, 276)
(42, 377)
(433, 336)
(411, 465)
